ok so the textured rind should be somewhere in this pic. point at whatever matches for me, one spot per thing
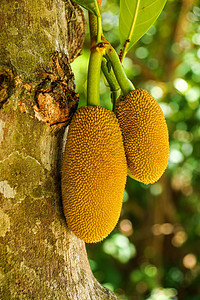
(145, 135)
(93, 173)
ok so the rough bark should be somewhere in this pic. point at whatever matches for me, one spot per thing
(39, 257)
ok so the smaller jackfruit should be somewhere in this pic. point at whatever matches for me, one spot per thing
(145, 135)
(93, 173)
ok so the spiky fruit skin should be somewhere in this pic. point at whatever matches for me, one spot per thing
(94, 173)
(145, 135)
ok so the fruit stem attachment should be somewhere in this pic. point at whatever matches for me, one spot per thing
(96, 55)
(115, 95)
(119, 72)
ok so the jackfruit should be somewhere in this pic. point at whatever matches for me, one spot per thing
(145, 135)
(94, 173)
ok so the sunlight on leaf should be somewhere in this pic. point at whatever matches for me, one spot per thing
(135, 18)
(91, 5)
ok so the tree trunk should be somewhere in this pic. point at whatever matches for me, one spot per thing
(40, 258)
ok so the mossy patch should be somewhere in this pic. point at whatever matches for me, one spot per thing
(22, 173)
(31, 40)
(5, 223)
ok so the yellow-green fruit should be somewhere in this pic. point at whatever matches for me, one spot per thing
(145, 135)
(93, 173)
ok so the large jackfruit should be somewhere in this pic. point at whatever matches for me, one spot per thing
(145, 135)
(93, 173)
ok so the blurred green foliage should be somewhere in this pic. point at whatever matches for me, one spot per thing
(154, 252)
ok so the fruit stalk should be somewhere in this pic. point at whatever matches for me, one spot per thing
(112, 81)
(119, 72)
(109, 75)
(96, 55)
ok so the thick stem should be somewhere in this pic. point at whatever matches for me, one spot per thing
(94, 69)
(121, 77)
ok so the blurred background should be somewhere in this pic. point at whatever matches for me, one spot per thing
(154, 252)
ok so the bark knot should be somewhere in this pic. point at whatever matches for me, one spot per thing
(55, 96)
(6, 83)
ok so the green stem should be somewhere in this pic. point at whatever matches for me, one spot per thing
(99, 30)
(121, 77)
(94, 69)
(92, 25)
(127, 42)
(115, 95)
(95, 28)
(112, 81)
(110, 77)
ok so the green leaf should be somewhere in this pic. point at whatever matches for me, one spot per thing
(91, 5)
(135, 18)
